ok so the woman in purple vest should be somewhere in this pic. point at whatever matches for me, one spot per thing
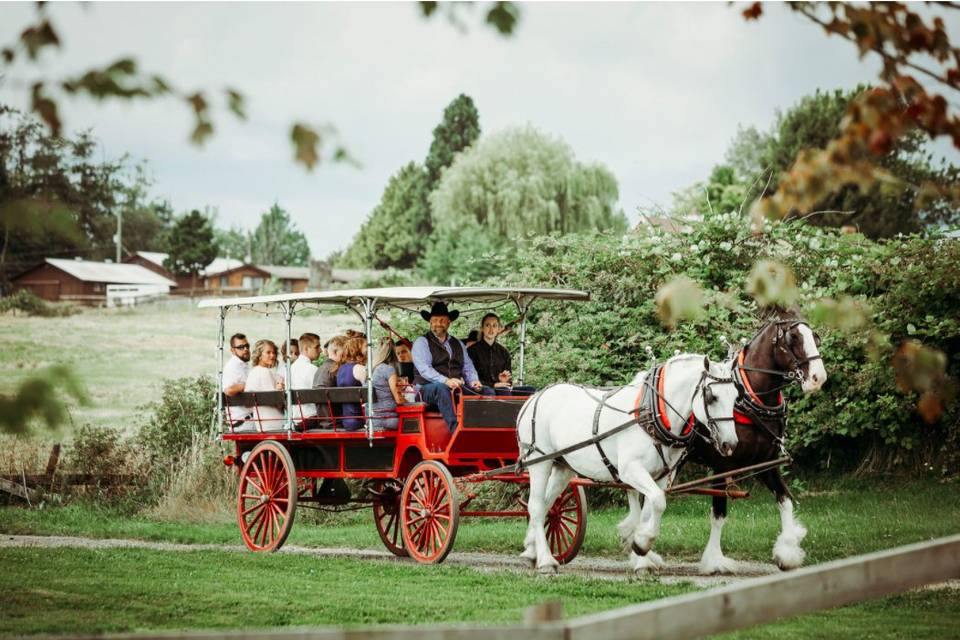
(352, 373)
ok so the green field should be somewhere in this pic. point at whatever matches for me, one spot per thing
(123, 355)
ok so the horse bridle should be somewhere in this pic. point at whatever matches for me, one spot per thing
(793, 374)
(707, 380)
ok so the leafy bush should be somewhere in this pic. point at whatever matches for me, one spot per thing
(184, 411)
(115, 465)
(25, 302)
(911, 284)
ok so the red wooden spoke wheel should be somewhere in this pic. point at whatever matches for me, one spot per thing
(267, 500)
(566, 524)
(429, 512)
(386, 515)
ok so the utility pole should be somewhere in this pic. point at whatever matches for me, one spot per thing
(119, 236)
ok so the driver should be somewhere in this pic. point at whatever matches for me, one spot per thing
(442, 364)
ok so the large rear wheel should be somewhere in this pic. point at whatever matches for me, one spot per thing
(429, 512)
(267, 499)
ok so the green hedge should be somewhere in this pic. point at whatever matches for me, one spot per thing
(910, 285)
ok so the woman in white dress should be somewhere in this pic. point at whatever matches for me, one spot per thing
(263, 378)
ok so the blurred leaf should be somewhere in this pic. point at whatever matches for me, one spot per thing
(8, 55)
(679, 299)
(930, 406)
(427, 8)
(236, 102)
(772, 283)
(37, 37)
(46, 108)
(503, 16)
(306, 142)
(753, 12)
(38, 397)
(918, 367)
(845, 313)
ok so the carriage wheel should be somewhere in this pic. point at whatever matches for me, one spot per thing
(386, 515)
(429, 512)
(566, 524)
(267, 500)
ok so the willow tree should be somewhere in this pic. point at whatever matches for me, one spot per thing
(521, 181)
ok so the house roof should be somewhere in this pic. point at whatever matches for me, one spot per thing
(109, 272)
(286, 273)
(156, 257)
(220, 265)
(352, 275)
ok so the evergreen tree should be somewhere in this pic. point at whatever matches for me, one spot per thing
(192, 246)
(277, 240)
(459, 129)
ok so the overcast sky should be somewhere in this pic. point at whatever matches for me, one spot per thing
(653, 91)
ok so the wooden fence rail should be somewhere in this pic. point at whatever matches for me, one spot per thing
(694, 615)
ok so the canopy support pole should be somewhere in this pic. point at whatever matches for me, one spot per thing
(288, 317)
(369, 305)
(219, 390)
(522, 308)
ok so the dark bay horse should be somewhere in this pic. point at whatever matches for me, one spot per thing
(784, 351)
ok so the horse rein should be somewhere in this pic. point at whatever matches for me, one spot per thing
(794, 374)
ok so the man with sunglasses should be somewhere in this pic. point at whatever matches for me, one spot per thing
(235, 376)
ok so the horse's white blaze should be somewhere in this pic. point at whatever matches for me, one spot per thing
(713, 560)
(786, 550)
(564, 417)
(816, 372)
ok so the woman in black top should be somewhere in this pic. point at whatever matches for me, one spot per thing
(492, 360)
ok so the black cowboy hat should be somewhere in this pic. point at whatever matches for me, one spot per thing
(440, 309)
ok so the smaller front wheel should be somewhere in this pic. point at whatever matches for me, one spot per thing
(267, 499)
(429, 512)
(566, 524)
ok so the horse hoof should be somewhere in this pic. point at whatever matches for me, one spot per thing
(527, 560)
(723, 566)
(547, 570)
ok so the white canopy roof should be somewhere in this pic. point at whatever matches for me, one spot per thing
(407, 297)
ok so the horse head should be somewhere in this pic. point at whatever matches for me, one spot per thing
(713, 403)
(795, 349)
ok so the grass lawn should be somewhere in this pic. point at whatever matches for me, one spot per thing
(53, 591)
(848, 519)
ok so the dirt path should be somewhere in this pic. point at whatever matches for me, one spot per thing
(588, 567)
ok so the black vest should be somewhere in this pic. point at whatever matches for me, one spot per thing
(452, 367)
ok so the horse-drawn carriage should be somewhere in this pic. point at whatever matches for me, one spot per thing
(419, 477)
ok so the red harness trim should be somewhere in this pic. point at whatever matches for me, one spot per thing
(662, 408)
(740, 417)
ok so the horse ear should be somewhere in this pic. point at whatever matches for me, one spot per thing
(706, 363)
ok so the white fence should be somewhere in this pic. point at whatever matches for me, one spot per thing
(129, 295)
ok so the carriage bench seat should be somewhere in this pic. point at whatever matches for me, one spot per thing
(331, 396)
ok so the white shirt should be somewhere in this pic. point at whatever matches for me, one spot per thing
(263, 379)
(301, 377)
(235, 372)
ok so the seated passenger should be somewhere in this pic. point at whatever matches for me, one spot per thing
(352, 373)
(443, 364)
(404, 366)
(302, 372)
(235, 373)
(492, 360)
(281, 370)
(386, 389)
(326, 377)
(262, 378)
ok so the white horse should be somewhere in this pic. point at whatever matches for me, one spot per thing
(565, 415)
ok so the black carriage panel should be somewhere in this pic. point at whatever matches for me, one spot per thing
(315, 458)
(255, 399)
(333, 395)
(410, 425)
(361, 456)
(486, 413)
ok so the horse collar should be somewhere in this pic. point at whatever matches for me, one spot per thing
(651, 412)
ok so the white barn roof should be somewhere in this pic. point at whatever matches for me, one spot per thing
(156, 257)
(109, 272)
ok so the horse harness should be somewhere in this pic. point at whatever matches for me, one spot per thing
(649, 413)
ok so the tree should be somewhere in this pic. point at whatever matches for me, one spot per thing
(519, 182)
(398, 229)
(234, 243)
(880, 209)
(459, 129)
(276, 240)
(191, 245)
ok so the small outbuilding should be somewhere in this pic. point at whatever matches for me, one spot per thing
(87, 282)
